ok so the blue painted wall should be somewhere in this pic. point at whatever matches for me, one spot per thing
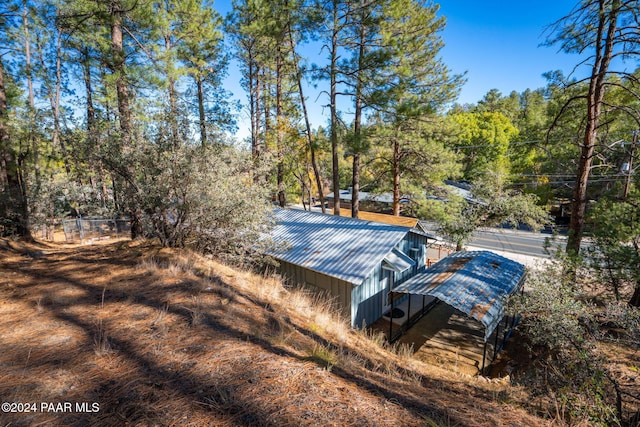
(366, 299)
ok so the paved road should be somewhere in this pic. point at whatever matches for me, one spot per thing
(519, 242)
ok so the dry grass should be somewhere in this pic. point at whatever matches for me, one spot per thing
(161, 337)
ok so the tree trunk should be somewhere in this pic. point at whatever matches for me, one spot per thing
(255, 149)
(16, 207)
(32, 104)
(202, 116)
(266, 103)
(257, 138)
(54, 99)
(335, 169)
(635, 298)
(258, 113)
(56, 105)
(627, 181)
(27, 53)
(122, 89)
(253, 81)
(91, 112)
(124, 111)
(173, 103)
(357, 121)
(312, 150)
(282, 197)
(595, 97)
(396, 175)
(355, 182)
(92, 136)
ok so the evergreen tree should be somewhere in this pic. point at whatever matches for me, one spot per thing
(414, 82)
(606, 30)
(14, 207)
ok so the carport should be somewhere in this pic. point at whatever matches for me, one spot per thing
(477, 284)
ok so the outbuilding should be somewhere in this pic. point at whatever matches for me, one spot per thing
(477, 284)
(372, 202)
(357, 262)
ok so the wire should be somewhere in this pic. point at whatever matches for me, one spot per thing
(591, 181)
(537, 141)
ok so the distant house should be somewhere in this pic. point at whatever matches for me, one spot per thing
(372, 202)
(457, 188)
(357, 262)
(462, 189)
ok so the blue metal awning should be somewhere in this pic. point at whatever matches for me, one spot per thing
(478, 283)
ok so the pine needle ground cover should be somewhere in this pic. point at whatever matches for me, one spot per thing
(126, 333)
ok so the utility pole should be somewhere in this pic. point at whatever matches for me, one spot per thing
(630, 169)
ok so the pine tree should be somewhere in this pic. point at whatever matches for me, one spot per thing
(601, 28)
(413, 81)
(13, 192)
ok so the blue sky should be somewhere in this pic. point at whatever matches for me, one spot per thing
(497, 43)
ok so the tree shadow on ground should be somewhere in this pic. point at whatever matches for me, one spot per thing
(137, 393)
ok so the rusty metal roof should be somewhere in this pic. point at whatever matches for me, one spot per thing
(346, 248)
(477, 283)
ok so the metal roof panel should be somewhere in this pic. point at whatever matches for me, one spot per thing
(477, 283)
(345, 248)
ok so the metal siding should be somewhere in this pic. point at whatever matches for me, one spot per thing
(344, 289)
(324, 282)
(337, 288)
(310, 277)
(300, 276)
(348, 308)
(341, 290)
(285, 269)
(411, 240)
(366, 300)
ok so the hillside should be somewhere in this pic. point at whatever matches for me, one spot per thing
(127, 333)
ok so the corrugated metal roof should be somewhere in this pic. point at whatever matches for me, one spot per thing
(345, 248)
(476, 283)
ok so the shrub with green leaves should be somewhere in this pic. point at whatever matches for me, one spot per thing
(562, 327)
(205, 198)
(615, 252)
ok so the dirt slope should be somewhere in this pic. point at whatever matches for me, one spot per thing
(124, 333)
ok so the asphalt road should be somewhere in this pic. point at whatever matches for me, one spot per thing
(519, 242)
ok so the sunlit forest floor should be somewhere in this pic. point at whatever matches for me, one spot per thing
(129, 333)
